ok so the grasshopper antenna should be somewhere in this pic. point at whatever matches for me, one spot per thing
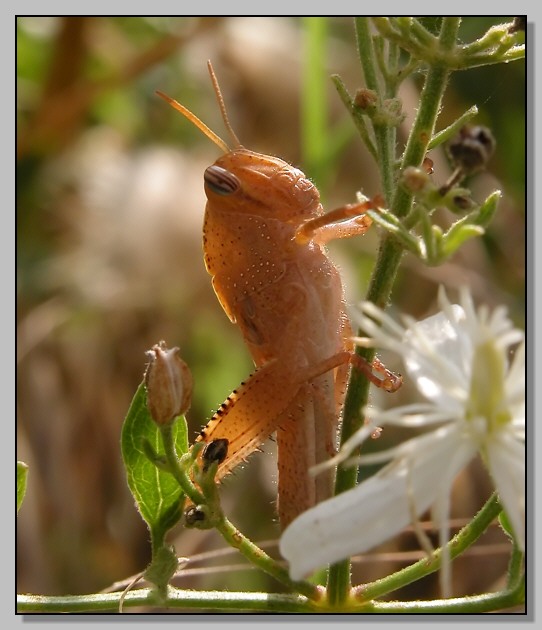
(220, 100)
(196, 121)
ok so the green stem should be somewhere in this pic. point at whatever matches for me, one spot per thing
(231, 534)
(392, 77)
(421, 34)
(495, 37)
(515, 567)
(387, 29)
(490, 58)
(461, 541)
(260, 559)
(446, 134)
(357, 117)
(356, 399)
(389, 255)
(424, 125)
(176, 599)
(178, 472)
(474, 604)
(384, 133)
(186, 600)
(496, 46)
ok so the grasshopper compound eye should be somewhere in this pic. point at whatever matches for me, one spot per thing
(221, 181)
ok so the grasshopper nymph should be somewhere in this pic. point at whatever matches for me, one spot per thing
(264, 238)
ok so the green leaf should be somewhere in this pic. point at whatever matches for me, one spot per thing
(158, 496)
(456, 236)
(487, 210)
(392, 224)
(447, 134)
(22, 473)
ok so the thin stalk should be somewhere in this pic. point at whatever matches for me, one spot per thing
(179, 473)
(474, 604)
(382, 131)
(424, 125)
(515, 567)
(230, 533)
(461, 541)
(358, 118)
(259, 558)
(176, 599)
(446, 134)
(388, 260)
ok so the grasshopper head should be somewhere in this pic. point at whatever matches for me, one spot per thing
(243, 181)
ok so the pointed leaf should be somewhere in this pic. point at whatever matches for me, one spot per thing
(456, 236)
(158, 496)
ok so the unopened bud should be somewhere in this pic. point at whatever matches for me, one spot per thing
(365, 98)
(169, 384)
(415, 179)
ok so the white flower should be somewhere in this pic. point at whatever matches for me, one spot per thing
(459, 360)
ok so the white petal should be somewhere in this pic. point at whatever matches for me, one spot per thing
(378, 508)
(506, 463)
(387, 323)
(353, 442)
(515, 379)
(437, 358)
(409, 416)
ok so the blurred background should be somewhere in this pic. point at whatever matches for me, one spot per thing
(110, 206)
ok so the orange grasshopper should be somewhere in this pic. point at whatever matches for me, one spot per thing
(263, 239)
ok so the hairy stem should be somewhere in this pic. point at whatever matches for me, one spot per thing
(389, 255)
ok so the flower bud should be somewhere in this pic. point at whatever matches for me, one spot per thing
(366, 99)
(169, 384)
(415, 179)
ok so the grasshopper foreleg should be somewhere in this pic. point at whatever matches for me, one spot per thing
(343, 222)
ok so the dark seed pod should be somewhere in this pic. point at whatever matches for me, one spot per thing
(215, 451)
(471, 149)
(469, 152)
(193, 515)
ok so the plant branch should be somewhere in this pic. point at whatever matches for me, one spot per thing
(389, 255)
(461, 541)
(176, 599)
